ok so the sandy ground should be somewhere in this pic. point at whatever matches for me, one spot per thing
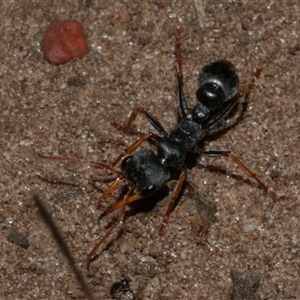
(65, 110)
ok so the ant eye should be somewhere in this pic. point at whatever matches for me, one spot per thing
(218, 82)
(126, 161)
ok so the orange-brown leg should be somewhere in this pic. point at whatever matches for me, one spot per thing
(109, 190)
(131, 149)
(110, 230)
(118, 204)
(174, 198)
(249, 87)
(175, 195)
(171, 205)
(244, 168)
(140, 110)
(135, 145)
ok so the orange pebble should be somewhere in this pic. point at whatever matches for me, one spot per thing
(63, 41)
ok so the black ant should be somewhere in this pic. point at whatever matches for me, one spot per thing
(146, 171)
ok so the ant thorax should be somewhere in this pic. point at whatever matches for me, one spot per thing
(172, 149)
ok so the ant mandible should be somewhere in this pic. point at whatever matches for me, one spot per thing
(146, 171)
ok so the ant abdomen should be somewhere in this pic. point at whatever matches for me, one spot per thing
(218, 82)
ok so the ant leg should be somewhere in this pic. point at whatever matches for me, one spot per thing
(153, 121)
(244, 168)
(250, 86)
(131, 148)
(118, 204)
(183, 110)
(175, 195)
(135, 145)
(217, 118)
(109, 190)
(251, 83)
(110, 230)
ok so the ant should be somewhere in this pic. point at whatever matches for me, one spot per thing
(147, 171)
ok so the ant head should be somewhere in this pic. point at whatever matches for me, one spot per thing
(218, 82)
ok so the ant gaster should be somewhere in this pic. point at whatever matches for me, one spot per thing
(147, 171)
